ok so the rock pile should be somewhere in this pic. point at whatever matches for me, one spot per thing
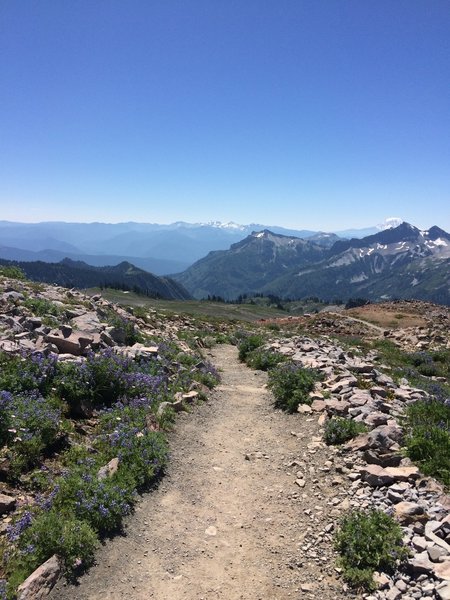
(379, 475)
(77, 323)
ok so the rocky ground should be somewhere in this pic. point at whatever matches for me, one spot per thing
(381, 477)
(252, 496)
(71, 323)
(412, 325)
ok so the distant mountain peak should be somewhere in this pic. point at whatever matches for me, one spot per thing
(390, 223)
(228, 225)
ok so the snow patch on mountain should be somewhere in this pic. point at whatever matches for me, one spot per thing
(390, 223)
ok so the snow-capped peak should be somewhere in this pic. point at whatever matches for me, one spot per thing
(390, 223)
(220, 225)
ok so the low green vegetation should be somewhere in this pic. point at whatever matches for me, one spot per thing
(12, 272)
(418, 367)
(366, 542)
(198, 308)
(291, 385)
(61, 425)
(427, 440)
(124, 327)
(340, 430)
(249, 343)
(263, 360)
(42, 307)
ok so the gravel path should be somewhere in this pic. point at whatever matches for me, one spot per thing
(228, 520)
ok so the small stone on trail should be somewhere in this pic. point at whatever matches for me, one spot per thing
(211, 531)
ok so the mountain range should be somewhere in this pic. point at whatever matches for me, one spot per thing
(396, 259)
(158, 248)
(399, 262)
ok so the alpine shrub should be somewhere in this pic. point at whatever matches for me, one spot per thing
(339, 430)
(366, 542)
(427, 440)
(263, 360)
(291, 385)
(248, 344)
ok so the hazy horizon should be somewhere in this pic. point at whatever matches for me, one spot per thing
(383, 224)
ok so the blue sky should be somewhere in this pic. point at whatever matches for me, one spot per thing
(321, 114)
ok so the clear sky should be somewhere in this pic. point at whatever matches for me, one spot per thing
(321, 114)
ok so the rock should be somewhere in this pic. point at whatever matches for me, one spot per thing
(341, 386)
(337, 407)
(401, 585)
(7, 503)
(39, 584)
(66, 345)
(359, 398)
(108, 470)
(33, 323)
(430, 528)
(436, 553)
(403, 473)
(316, 396)
(13, 296)
(375, 419)
(393, 594)
(376, 476)
(87, 322)
(419, 543)
(394, 497)
(66, 330)
(386, 437)
(444, 501)
(408, 512)
(318, 405)
(443, 590)
(71, 313)
(382, 581)
(106, 339)
(148, 351)
(388, 459)
(442, 570)
(360, 367)
(360, 442)
(304, 408)
(378, 391)
(420, 563)
(85, 340)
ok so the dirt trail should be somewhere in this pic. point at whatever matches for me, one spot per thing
(368, 324)
(227, 521)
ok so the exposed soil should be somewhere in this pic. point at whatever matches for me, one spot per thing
(389, 316)
(228, 520)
